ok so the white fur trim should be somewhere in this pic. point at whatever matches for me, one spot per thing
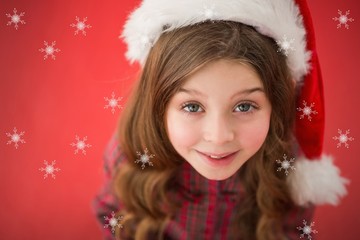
(317, 182)
(274, 18)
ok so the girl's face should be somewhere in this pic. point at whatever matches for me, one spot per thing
(219, 118)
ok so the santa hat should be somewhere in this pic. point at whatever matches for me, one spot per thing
(316, 179)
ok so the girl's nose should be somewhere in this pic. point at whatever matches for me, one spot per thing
(218, 130)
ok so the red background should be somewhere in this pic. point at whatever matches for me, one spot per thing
(55, 100)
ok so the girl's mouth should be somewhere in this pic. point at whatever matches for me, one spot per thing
(218, 159)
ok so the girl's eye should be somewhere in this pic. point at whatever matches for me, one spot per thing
(245, 107)
(242, 107)
(191, 107)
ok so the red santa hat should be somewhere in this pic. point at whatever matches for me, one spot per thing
(316, 179)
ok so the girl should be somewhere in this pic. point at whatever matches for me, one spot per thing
(206, 147)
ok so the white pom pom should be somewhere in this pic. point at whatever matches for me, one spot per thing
(317, 182)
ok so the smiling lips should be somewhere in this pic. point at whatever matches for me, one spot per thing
(218, 160)
(217, 156)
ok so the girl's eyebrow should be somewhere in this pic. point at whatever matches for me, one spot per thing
(242, 92)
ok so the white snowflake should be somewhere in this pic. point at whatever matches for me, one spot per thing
(80, 25)
(145, 41)
(49, 50)
(15, 138)
(80, 145)
(113, 222)
(307, 110)
(49, 169)
(209, 11)
(285, 45)
(307, 230)
(343, 138)
(285, 164)
(113, 102)
(15, 18)
(144, 158)
(343, 19)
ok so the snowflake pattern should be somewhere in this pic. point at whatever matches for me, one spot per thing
(80, 25)
(80, 144)
(343, 19)
(307, 230)
(285, 164)
(209, 12)
(285, 45)
(15, 138)
(343, 138)
(145, 41)
(49, 50)
(113, 102)
(113, 222)
(15, 18)
(49, 169)
(144, 158)
(307, 110)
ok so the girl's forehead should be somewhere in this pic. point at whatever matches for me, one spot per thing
(224, 73)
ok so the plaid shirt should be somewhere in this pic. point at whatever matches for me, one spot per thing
(208, 206)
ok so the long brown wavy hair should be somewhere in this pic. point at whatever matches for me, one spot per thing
(144, 194)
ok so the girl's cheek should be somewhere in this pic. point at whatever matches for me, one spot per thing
(181, 131)
(257, 133)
